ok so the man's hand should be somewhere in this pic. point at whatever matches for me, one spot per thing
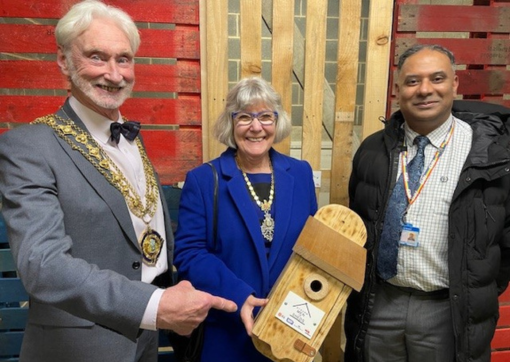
(182, 308)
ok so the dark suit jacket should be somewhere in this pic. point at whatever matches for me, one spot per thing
(72, 238)
(237, 265)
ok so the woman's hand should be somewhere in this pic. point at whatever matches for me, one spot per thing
(247, 311)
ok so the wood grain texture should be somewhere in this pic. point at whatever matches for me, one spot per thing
(454, 18)
(345, 100)
(156, 11)
(271, 336)
(183, 42)
(173, 153)
(283, 53)
(215, 71)
(251, 38)
(181, 77)
(315, 55)
(378, 64)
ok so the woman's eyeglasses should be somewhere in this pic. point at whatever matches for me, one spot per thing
(266, 118)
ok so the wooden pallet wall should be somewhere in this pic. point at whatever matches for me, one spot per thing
(294, 55)
(166, 96)
(478, 35)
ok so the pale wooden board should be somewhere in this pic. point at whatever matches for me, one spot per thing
(214, 35)
(345, 101)
(272, 337)
(378, 64)
(314, 81)
(251, 38)
(283, 53)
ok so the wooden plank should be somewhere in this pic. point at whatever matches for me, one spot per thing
(504, 317)
(505, 297)
(315, 55)
(182, 43)
(154, 11)
(341, 154)
(501, 339)
(13, 318)
(467, 51)
(500, 356)
(283, 53)
(173, 153)
(440, 18)
(12, 290)
(24, 109)
(181, 77)
(10, 343)
(185, 110)
(345, 101)
(483, 82)
(377, 65)
(215, 63)
(251, 38)
(6, 261)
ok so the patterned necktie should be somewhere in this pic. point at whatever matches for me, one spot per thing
(128, 129)
(393, 222)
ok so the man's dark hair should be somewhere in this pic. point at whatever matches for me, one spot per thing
(417, 47)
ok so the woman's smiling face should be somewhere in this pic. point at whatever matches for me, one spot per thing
(254, 140)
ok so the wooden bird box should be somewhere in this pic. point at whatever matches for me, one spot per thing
(327, 262)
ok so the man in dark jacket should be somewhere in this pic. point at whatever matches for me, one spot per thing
(434, 298)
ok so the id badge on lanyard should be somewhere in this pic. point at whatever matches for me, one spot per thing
(410, 235)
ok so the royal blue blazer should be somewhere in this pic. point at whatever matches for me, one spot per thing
(234, 264)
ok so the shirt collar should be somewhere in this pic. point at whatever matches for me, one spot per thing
(97, 125)
(436, 137)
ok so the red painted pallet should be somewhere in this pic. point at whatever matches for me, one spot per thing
(501, 342)
(166, 96)
(181, 42)
(478, 35)
(184, 111)
(182, 77)
(154, 11)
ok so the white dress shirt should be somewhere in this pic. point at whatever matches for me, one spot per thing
(127, 158)
(425, 267)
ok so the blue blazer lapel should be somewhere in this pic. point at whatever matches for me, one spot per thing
(244, 204)
(109, 193)
(283, 202)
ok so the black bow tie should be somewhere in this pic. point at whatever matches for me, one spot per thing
(128, 129)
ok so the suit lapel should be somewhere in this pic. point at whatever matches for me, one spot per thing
(245, 206)
(108, 192)
(284, 186)
(283, 203)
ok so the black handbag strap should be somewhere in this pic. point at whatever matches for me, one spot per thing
(215, 210)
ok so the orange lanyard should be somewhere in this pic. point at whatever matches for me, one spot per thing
(439, 152)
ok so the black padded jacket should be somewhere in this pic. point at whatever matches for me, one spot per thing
(479, 227)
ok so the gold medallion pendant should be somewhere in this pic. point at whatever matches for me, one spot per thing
(267, 226)
(151, 243)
